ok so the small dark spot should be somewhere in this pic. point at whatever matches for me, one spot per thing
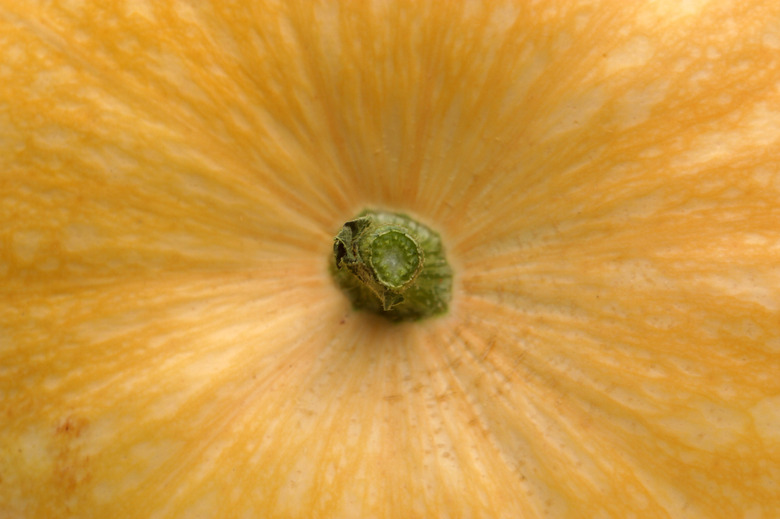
(72, 427)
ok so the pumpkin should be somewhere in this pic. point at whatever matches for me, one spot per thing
(605, 179)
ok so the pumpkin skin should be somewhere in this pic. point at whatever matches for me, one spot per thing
(605, 176)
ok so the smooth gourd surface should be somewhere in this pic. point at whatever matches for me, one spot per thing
(605, 176)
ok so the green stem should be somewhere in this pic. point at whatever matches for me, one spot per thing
(391, 264)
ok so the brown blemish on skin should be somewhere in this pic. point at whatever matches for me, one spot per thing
(72, 426)
(71, 467)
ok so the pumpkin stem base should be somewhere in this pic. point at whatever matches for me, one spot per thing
(392, 265)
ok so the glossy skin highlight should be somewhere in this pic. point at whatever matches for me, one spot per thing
(603, 173)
